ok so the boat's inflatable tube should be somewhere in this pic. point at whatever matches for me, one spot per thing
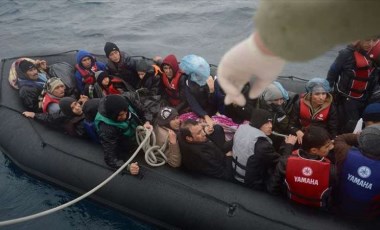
(167, 197)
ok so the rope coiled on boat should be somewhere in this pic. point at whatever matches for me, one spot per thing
(154, 154)
(147, 132)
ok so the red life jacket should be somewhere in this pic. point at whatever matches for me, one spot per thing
(306, 117)
(307, 180)
(112, 89)
(375, 51)
(88, 77)
(47, 101)
(362, 74)
(172, 88)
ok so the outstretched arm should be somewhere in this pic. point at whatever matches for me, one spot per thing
(292, 30)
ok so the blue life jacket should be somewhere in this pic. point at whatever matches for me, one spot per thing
(90, 128)
(360, 185)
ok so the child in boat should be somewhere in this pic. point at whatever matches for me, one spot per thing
(358, 162)
(307, 173)
(86, 67)
(107, 85)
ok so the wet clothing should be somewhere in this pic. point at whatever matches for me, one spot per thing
(254, 156)
(124, 69)
(86, 77)
(313, 116)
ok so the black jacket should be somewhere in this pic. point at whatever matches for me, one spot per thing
(341, 73)
(260, 165)
(206, 158)
(125, 69)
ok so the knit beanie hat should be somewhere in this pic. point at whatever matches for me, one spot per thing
(372, 112)
(99, 76)
(114, 104)
(369, 140)
(317, 85)
(142, 66)
(109, 47)
(165, 115)
(26, 65)
(90, 109)
(65, 106)
(53, 83)
(272, 92)
(260, 117)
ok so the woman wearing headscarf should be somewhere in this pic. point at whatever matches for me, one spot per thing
(314, 108)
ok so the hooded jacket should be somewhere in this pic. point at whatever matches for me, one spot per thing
(95, 66)
(173, 88)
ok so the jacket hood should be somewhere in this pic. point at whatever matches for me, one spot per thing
(84, 53)
(172, 61)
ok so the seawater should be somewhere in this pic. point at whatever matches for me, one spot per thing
(139, 27)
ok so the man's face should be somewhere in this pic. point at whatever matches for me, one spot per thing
(267, 128)
(59, 91)
(32, 73)
(168, 71)
(114, 56)
(197, 134)
(86, 62)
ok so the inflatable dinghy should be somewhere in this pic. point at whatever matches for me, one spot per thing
(166, 197)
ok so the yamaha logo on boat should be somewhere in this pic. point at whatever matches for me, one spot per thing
(307, 171)
(364, 172)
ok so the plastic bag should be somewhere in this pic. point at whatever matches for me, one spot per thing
(197, 67)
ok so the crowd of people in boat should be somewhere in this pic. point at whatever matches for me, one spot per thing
(301, 145)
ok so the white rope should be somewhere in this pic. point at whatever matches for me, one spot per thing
(58, 208)
(154, 154)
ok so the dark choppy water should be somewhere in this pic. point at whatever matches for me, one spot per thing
(139, 27)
